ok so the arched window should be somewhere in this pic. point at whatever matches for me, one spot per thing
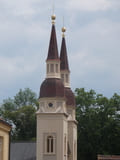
(1, 148)
(50, 144)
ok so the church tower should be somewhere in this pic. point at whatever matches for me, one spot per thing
(56, 114)
(70, 100)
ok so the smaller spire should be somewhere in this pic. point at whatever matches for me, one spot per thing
(63, 54)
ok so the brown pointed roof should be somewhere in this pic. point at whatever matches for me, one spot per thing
(53, 48)
(63, 56)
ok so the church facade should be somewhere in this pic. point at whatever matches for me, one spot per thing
(56, 122)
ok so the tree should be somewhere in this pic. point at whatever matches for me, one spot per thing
(20, 112)
(98, 124)
(25, 123)
(25, 98)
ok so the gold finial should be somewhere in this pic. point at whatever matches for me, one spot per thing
(53, 17)
(63, 30)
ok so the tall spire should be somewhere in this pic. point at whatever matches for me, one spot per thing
(53, 48)
(63, 54)
(53, 60)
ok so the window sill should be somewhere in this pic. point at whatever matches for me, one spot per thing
(49, 154)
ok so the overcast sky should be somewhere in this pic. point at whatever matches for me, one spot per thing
(93, 43)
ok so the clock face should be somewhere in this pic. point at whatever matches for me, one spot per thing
(50, 105)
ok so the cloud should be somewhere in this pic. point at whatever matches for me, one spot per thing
(11, 69)
(23, 7)
(101, 36)
(97, 57)
(92, 42)
(92, 5)
(98, 73)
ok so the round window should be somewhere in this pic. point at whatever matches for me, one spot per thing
(50, 105)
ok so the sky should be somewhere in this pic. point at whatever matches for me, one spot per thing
(92, 37)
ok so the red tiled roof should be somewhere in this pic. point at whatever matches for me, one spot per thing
(108, 157)
(63, 56)
(53, 48)
(52, 87)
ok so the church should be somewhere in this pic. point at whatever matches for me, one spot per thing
(56, 122)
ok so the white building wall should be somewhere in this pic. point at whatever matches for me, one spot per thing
(51, 123)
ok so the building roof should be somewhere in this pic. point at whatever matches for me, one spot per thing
(63, 56)
(23, 151)
(53, 48)
(52, 87)
(108, 157)
(70, 98)
(5, 123)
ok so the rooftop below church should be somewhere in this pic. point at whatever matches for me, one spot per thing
(23, 151)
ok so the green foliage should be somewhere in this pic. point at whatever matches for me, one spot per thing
(85, 98)
(20, 112)
(25, 98)
(98, 124)
(25, 122)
